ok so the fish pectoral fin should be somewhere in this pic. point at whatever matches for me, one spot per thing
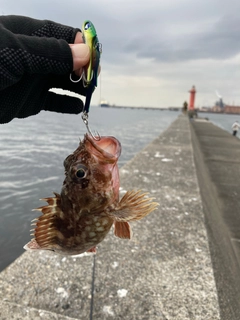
(133, 206)
(122, 229)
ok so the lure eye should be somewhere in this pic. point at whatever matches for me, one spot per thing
(81, 172)
(87, 26)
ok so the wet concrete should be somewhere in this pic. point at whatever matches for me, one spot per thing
(165, 272)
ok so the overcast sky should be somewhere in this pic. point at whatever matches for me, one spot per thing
(155, 50)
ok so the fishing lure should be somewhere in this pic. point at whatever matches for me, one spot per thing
(90, 73)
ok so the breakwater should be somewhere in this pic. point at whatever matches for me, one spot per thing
(167, 270)
(216, 154)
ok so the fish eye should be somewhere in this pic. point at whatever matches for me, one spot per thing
(81, 171)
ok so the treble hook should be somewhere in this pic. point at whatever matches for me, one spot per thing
(75, 81)
(96, 136)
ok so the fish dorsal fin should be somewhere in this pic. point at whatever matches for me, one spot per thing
(122, 229)
(133, 206)
(46, 234)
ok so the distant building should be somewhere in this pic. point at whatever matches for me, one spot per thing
(205, 109)
(232, 109)
(217, 108)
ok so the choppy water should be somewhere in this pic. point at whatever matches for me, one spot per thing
(32, 153)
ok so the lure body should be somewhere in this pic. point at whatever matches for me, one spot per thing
(91, 39)
(90, 72)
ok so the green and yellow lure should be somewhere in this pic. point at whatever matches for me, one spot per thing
(90, 73)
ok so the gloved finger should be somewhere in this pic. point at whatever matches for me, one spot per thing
(63, 103)
(41, 28)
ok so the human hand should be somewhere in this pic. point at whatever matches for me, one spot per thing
(80, 54)
(37, 55)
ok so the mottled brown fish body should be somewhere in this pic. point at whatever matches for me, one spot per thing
(81, 216)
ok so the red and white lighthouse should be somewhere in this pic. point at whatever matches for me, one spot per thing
(192, 98)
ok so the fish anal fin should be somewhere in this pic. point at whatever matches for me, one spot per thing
(133, 206)
(32, 245)
(122, 229)
(93, 250)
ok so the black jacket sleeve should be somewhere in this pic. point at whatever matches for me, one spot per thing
(34, 57)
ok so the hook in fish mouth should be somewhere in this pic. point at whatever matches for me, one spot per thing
(96, 136)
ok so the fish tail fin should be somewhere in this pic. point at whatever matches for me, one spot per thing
(133, 206)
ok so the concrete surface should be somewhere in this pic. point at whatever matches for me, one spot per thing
(13, 311)
(163, 273)
(217, 157)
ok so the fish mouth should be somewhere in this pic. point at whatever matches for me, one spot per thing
(107, 149)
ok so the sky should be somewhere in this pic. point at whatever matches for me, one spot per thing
(154, 51)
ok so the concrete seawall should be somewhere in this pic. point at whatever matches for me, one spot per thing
(217, 158)
(165, 272)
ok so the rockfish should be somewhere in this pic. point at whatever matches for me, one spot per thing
(79, 218)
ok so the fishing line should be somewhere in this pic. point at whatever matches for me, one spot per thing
(93, 287)
(100, 87)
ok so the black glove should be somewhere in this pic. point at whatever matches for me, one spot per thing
(35, 57)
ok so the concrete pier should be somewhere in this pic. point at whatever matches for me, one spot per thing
(165, 272)
(217, 158)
